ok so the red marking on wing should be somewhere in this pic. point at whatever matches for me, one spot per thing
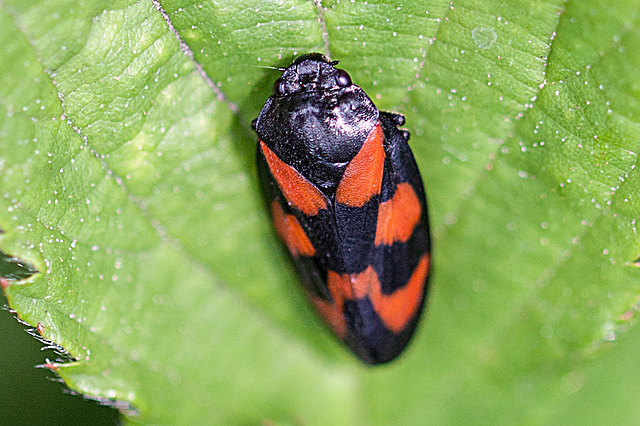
(299, 192)
(362, 178)
(291, 232)
(398, 217)
(395, 309)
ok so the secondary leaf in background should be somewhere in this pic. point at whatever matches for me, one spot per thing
(127, 181)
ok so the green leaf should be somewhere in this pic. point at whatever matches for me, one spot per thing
(127, 184)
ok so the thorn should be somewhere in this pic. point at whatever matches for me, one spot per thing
(53, 366)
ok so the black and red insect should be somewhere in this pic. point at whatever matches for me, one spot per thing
(347, 199)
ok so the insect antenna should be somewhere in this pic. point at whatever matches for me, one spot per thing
(281, 69)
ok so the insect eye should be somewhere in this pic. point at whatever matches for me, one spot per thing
(343, 79)
(279, 87)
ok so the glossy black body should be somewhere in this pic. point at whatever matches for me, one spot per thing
(317, 123)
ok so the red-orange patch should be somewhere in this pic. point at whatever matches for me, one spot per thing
(362, 178)
(398, 217)
(291, 232)
(299, 192)
(395, 309)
